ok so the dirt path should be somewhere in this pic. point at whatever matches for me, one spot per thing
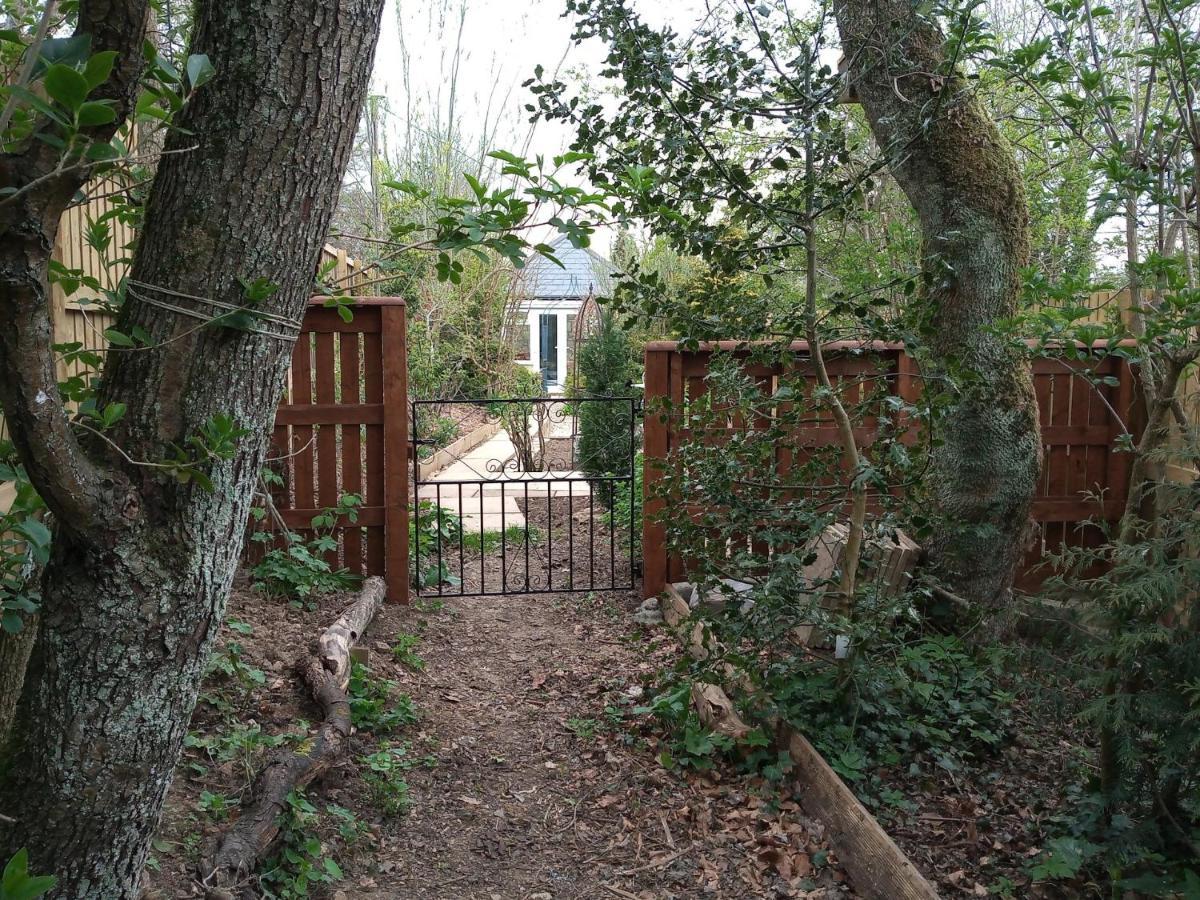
(539, 792)
(529, 774)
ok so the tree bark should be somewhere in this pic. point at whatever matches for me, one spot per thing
(138, 580)
(14, 658)
(962, 179)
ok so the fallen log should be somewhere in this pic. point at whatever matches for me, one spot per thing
(326, 674)
(335, 644)
(877, 867)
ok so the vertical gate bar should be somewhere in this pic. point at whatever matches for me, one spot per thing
(571, 530)
(395, 448)
(503, 540)
(550, 536)
(612, 535)
(482, 554)
(462, 554)
(592, 535)
(416, 464)
(527, 533)
(438, 574)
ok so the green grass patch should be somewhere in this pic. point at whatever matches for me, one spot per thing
(512, 536)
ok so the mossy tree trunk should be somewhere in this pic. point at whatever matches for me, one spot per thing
(962, 179)
(142, 564)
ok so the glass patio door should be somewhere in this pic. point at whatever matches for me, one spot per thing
(548, 344)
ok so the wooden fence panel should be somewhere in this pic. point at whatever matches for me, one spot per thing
(342, 428)
(1082, 477)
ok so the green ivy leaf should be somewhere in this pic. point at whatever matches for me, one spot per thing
(18, 884)
(98, 68)
(96, 112)
(68, 50)
(333, 870)
(118, 338)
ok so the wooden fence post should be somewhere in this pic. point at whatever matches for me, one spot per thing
(654, 455)
(395, 448)
(908, 389)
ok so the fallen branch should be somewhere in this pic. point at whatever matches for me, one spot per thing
(716, 711)
(326, 674)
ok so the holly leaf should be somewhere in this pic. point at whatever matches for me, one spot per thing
(66, 86)
(200, 70)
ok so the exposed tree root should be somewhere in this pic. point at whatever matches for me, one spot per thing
(326, 674)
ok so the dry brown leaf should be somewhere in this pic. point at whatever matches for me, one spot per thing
(801, 865)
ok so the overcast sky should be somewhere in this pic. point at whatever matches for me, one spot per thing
(501, 43)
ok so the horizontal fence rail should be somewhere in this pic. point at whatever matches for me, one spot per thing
(1080, 424)
(342, 428)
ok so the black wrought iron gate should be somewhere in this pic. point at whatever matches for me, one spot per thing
(505, 507)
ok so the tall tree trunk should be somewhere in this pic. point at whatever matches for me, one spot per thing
(963, 181)
(134, 593)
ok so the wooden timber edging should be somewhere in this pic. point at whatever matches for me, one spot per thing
(876, 864)
(878, 868)
(452, 451)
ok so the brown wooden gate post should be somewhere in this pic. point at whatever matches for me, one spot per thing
(654, 455)
(395, 447)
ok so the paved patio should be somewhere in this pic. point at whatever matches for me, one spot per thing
(489, 501)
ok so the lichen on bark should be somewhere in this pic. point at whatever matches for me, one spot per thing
(962, 179)
(134, 595)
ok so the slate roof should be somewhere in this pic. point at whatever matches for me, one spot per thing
(583, 272)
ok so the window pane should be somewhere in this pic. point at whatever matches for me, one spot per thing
(518, 337)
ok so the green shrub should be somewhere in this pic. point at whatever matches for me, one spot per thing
(300, 570)
(626, 510)
(1138, 819)
(431, 527)
(384, 776)
(302, 863)
(898, 700)
(374, 704)
(607, 366)
(24, 544)
(442, 431)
